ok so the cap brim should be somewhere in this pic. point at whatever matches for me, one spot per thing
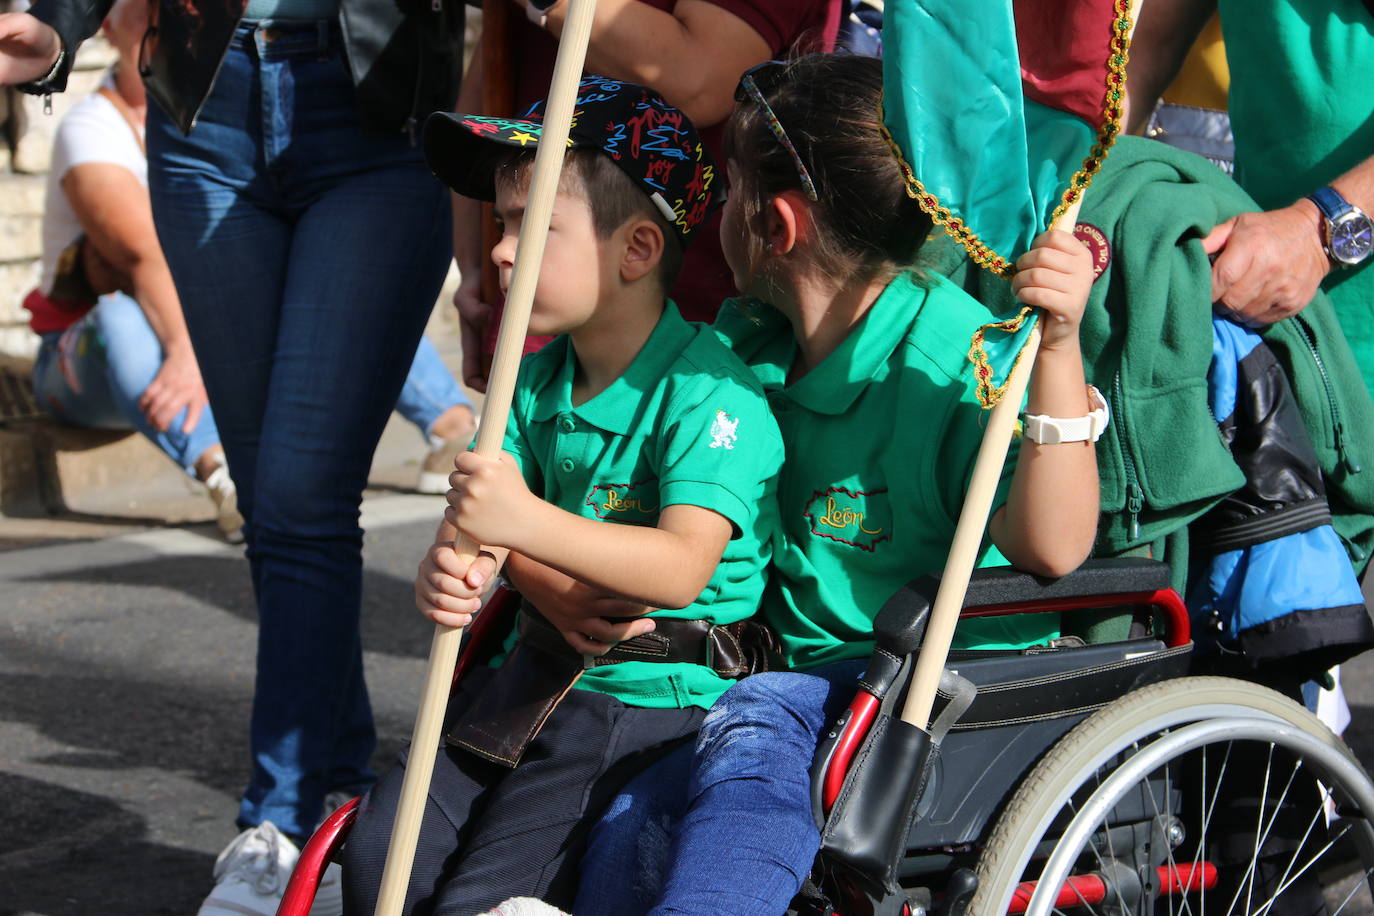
(465, 157)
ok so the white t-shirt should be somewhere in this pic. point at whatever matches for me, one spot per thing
(93, 131)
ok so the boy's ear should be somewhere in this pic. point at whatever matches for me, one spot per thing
(643, 250)
(786, 220)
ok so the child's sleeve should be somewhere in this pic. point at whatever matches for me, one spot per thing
(720, 452)
(517, 443)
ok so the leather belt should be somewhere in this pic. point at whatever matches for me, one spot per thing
(513, 706)
(693, 642)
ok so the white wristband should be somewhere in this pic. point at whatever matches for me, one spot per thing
(1054, 430)
(539, 15)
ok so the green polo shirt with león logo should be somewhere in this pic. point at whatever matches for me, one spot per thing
(881, 439)
(685, 424)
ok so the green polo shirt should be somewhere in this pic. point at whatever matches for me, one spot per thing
(880, 440)
(686, 424)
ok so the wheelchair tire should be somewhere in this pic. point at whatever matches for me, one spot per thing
(1071, 820)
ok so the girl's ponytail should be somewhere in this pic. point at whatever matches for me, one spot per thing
(828, 105)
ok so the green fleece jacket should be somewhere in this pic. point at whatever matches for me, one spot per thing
(1147, 341)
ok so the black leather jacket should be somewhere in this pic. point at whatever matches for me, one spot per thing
(406, 56)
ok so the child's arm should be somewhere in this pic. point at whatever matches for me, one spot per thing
(590, 619)
(447, 590)
(662, 567)
(1049, 522)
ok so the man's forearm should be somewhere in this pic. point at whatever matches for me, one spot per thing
(693, 56)
(1357, 186)
(1164, 34)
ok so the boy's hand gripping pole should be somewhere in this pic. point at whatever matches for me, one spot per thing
(973, 518)
(529, 252)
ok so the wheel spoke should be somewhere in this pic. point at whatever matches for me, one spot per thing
(1247, 881)
(1310, 862)
(1087, 787)
(1316, 815)
(1362, 881)
(1092, 844)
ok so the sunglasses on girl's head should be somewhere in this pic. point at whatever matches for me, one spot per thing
(748, 89)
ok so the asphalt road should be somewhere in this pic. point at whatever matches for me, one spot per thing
(126, 671)
(126, 668)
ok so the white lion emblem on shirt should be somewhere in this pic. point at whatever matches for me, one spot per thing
(723, 430)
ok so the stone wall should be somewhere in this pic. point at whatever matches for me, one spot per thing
(25, 149)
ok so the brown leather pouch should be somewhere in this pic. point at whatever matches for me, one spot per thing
(513, 706)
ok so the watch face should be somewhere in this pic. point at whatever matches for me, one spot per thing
(1352, 239)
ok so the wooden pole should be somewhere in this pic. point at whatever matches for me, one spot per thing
(529, 251)
(973, 518)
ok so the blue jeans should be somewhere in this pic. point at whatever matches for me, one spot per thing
(741, 838)
(307, 255)
(430, 389)
(93, 373)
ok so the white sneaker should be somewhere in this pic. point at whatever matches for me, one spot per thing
(438, 463)
(251, 875)
(525, 906)
(226, 497)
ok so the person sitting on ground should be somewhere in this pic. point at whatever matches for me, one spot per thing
(640, 458)
(114, 351)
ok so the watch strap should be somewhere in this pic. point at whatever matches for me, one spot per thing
(1330, 202)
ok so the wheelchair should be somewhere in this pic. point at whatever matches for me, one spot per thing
(1094, 775)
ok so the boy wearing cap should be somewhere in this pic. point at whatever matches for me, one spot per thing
(632, 417)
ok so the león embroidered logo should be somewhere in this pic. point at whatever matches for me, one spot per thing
(859, 518)
(625, 502)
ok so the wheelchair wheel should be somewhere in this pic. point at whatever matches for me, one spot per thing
(1195, 796)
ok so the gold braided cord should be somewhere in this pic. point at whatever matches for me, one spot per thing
(1118, 54)
(988, 391)
(980, 253)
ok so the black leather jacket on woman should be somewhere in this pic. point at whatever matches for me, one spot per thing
(405, 56)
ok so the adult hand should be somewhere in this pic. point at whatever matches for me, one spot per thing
(28, 48)
(474, 317)
(1268, 265)
(581, 613)
(177, 385)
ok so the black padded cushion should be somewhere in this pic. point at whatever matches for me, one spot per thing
(900, 624)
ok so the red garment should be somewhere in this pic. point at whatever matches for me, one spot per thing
(786, 25)
(1064, 48)
(49, 315)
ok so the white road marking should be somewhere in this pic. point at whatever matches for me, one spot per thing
(384, 511)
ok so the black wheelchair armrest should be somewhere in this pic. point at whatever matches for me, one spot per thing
(900, 625)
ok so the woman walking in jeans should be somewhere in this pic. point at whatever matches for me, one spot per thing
(308, 243)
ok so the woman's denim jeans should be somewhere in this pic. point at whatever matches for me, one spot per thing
(93, 373)
(725, 827)
(308, 255)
